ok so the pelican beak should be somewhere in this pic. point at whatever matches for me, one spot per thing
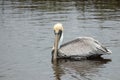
(56, 43)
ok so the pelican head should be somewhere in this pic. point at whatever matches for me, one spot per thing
(58, 31)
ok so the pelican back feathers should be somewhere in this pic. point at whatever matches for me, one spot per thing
(82, 47)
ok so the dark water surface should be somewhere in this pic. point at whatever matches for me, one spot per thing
(26, 38)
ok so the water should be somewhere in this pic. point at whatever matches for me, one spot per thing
(26, 38)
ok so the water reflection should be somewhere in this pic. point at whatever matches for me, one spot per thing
(60, 5)
(58, 10)
(80, 70)
(111, 4)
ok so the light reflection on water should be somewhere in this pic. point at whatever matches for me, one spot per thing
(26, 38)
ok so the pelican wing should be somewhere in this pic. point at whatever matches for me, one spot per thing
(82, 46)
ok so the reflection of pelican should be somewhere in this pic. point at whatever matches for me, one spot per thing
(80, 70)
(82, 47)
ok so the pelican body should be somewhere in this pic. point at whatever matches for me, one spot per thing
(81, 47)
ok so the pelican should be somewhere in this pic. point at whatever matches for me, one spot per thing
(81, 47)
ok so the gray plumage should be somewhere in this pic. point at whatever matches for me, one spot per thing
(82, 47)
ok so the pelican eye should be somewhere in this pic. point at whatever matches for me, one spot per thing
(59, 32)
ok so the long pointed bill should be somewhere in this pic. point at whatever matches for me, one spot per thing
(56, 46)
